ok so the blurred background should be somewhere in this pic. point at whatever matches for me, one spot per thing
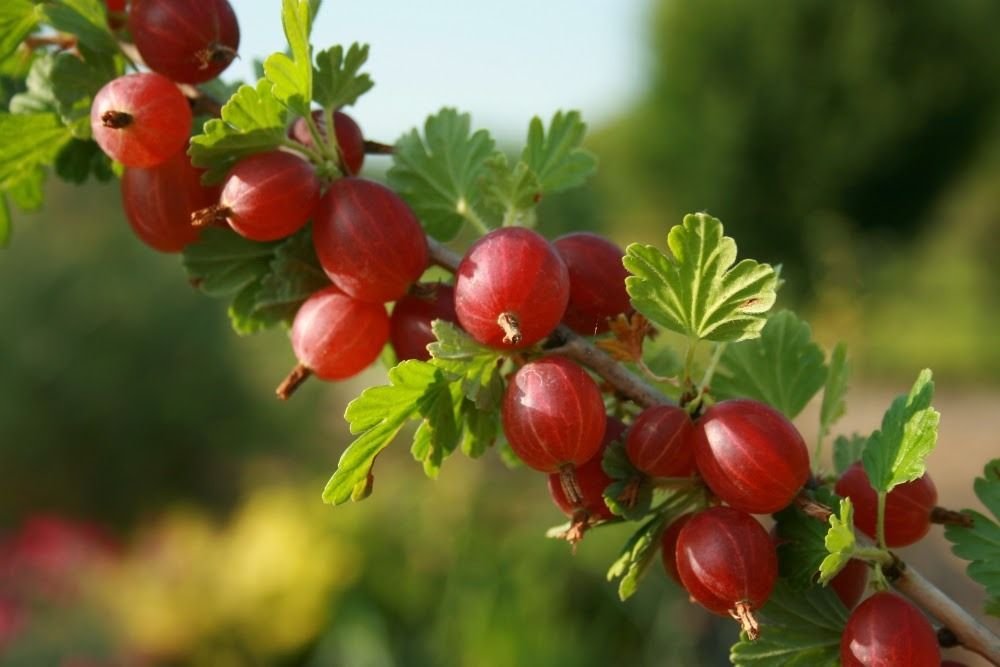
(158, 506)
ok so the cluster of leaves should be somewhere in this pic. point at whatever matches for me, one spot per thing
(46, 96)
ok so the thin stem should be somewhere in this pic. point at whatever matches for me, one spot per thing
(323, 146)
(880, 526)
(689, 360)
(313, 156)
(471, 216)
(706, 379)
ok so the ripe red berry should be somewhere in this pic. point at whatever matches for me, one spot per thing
(141, 120)
(750, 455)
(265, 197)
(907, 507)
(850, 583)
(553, 414)
(410, 324)
(727, 562)
(336, 336)
(887, 630)
(511, 288)
(596, 281)
(159, 202)
(190, 41)
(659, 442)
(350, 141)
(368, 240)
(587, 481)
(668, 545)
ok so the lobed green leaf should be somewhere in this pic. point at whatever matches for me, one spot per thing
(292, 77)
(801, 548)
(897, 452)
(980, 544)
(479, 429)
(338, 80)
(798, 629)
(783, 367)
(30, 141)
(376, 417)
(556, 157)
(696, 290)
(439, 174)
(637, 555)
(476, 367)
(839, 542)
(253, 121)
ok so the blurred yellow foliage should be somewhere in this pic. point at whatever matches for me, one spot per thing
(261, 585)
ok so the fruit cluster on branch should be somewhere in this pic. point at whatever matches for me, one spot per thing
(557, 353)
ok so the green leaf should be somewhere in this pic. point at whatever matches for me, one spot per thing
(637, 555)
(86, 19)
(897, 452)
(798, 629)
(835, 392)
(555, 156)
(267, 281)
(337, 78)
(65, 83)
(839, 542)
(847, 451)
(697, 291)
(376, 418)
(801, 547)
(475, 366)
(80, 159)
(980, 544)
(439, 175)
(17, 19)
(221, 262)
(627, 481)
(253, 121)
(512, 191)
(30, 141)
(783, 368)
(292, 77)
(438, 434)
(479, 429)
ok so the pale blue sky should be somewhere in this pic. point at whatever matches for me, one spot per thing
(502, 61)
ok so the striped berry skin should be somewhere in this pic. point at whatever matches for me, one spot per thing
(189, 41)
(159, 201)
(140, 120)
(553, 414)
(725, 558)
(885, 631)
(336, 336)
(368, 241)
(907, 507)
(269, 195)
(590, 479)
(596, 281)
(659, 442)
(668, 545)
(511, 275)
(750, 455)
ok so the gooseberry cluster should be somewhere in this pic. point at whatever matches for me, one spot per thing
(726, 461)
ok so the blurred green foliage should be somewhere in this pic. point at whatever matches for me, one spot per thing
(765, 115)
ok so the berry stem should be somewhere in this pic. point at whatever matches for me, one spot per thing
(949, 517)
(570, 485)
(378, 148)
(116, 120)
(314, 156)
(292, 381)
(880, 522)
(511, 328)
(748, 623)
